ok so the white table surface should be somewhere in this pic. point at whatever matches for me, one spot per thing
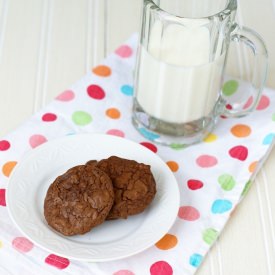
(46, 45)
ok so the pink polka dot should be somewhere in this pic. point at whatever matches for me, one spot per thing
(239, 152)
(263, 103)
(4, 145)
(3, 197)
(124, 51)
(95, 92)
(150, 146)
(22, 244)
(116, 132)
(188, 213)
(206, 161)
(66, 96)
(248, 103)
(57, 261)
(124, 272)
(161, 268)
(48, 117)
(37, 140)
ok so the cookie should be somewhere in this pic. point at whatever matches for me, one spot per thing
(91, 162)
(78, 200)
(134, 186)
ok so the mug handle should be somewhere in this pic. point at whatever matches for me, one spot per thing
(251, 39)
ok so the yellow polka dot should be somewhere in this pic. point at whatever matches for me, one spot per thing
(8, 167)
(252, 166)
(168, 241)
(1, 244)
(102, 70)
(210, 138)
(173, 165)
(113, 113)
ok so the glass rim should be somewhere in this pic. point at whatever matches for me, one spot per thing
(230, 6)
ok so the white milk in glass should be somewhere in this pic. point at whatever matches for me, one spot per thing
(176, 82)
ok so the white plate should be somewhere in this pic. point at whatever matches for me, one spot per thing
(111, 240)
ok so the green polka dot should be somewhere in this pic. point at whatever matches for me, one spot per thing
(177, 146)
(227, 182)
(246, 188)
(273, 117)
(209, 235)
(81, 118)
(230, 87)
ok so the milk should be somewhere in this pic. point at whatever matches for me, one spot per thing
(176, 82)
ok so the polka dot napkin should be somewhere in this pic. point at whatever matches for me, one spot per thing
(212, 176)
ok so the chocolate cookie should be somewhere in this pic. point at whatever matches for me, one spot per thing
(91, 162)
(134, 186)
(78, 200)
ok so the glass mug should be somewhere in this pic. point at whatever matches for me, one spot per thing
(180, 68)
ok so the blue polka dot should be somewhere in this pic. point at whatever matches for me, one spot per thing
(221, 206)
(195, 260)
(147, 134)
(127, 90)
(268, 139)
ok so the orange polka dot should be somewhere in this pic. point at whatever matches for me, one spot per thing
(168, 241)
(8, 167)
(252, 166)
(173, 165)
(102, 70)
(113, 113)
(241, 130)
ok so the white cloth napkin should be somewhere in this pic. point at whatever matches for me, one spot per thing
(213, 176)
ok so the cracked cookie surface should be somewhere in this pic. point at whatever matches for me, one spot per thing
(78, 200)
(134, 186)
